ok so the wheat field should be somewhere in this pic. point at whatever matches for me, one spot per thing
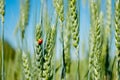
(60, 40)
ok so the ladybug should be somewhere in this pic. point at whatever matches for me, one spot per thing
(40, 41)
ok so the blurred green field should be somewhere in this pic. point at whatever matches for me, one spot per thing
(13, 69)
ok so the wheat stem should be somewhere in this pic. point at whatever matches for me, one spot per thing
(2, 34)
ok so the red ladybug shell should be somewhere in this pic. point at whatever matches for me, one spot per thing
(40, 41)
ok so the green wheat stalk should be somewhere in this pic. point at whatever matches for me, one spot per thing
(2, 13)
(117, 35)
(106, 39)
(98, 49)
(108, 13)
(26, 66)
(34, 68)
(67, 43)
(38, 52)
(59, 7)
(48, 54)
(74, 21)
(75, 28)
(94, 14)
(2, 10)
(24, 16)
(18, 65)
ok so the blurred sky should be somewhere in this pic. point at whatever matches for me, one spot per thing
(12, 14)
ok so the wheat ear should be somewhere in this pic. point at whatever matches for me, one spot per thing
(98, 49)
(2, 13)
(2, 10)
(94, 14)
(108, 12)
(38, 51)
(107, 40)
(24, 16)
(117, 35)
(67, 41)
(48, 53)
(59, 6)
(75, 28)
(26, 66)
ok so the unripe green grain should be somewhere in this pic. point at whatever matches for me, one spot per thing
(34, 68)
(38, 52)
(117, 35)
(75, 29)
(93, 12)
(108, 13)
(94, 15)
(74, 22)
(26, 67)
(67, 41)
(24, 16)
(59, 7)
(2, 11)
(98, 49)
(48, 54)
(106, 39)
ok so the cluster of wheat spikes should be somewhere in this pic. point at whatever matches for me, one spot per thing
(2, 13)
(43, 56)
(48, 53)
(73, 19)
(42, 64)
